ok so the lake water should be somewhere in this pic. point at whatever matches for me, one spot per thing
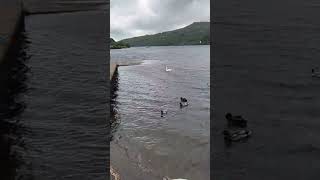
(146, 145)
(263, 55)
(45, 6)
(53, 100)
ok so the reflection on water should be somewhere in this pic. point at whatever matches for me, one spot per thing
(13, 77)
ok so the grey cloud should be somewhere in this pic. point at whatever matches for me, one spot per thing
(139, 17)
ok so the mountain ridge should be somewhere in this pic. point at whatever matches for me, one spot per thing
(197, 33)
(118, 45)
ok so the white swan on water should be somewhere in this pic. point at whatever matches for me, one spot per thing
(167, 69)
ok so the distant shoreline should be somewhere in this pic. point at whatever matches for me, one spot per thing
(119, 47)
(163, 46)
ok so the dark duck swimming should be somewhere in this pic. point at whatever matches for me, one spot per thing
(183, 102)
(237, 135)
(163, 112)
(315, 74)
(237, 121)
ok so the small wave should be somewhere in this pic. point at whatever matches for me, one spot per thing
(130, 63)
(287, 85)
(305, 148)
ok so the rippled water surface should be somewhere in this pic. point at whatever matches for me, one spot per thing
(62, 125)
(47, 6)
(263, 56)
(146, 145)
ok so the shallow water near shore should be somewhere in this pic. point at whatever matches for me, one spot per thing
(146, 145)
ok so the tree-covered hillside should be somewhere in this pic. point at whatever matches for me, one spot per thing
(118, 45)
(197, 33)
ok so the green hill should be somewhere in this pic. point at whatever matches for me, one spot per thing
(118, 45)
(197, 33)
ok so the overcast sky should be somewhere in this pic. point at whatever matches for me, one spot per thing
(131, 18)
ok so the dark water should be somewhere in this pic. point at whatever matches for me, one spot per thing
(13, 84)
(146, 146)
(64, 133)
(263, 54)
(47, 6)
